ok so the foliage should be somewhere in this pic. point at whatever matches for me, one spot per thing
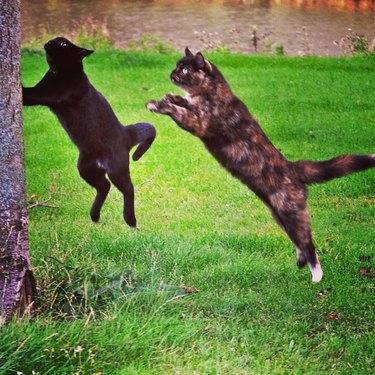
(88, 32)
(33, 46)
(305, 38)
(150, 43)
(212, 42)
(255, 312)
(93, 34)
(355, 44)
(279, 50)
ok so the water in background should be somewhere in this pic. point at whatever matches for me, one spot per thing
(199, 23)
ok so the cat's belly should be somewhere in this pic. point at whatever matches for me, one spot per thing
(78, 136)
(259, 170)
(237, 162)
(82, 130)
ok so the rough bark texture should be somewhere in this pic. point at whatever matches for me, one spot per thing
(17, 287)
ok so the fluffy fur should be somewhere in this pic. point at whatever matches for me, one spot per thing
(90, 122)
(230, 133)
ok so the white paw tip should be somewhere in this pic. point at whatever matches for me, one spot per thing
(151, 107)
(317, 273)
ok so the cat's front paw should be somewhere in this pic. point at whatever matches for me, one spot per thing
(159, 106)
(170, 98)
(175, 99)
(152, 106)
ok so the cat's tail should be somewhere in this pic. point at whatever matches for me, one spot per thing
(143, 134)
(312, 172)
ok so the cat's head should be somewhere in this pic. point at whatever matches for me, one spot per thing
(63, 54)
(193, 73)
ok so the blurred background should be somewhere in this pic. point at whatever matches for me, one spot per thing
(300, 26)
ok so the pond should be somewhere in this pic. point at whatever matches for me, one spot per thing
(300, 26)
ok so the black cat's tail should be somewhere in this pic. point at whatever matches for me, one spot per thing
(311, 172)
(143, 134)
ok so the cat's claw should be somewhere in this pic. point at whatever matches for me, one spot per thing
(151, 106)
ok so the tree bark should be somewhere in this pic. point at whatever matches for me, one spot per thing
(17, 286)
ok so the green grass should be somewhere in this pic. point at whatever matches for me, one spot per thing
(255, 312)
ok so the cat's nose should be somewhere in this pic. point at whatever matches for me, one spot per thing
(48, 44)
(174, 77)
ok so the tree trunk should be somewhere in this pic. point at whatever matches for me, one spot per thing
(17, 286)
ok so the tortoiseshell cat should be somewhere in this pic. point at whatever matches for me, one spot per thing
(213, 113)
(90, 122)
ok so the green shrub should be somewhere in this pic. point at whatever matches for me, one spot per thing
(151, 43)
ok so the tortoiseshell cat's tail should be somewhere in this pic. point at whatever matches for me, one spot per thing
(312, 172)
(143, 134)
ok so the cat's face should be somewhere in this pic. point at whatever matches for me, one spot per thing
(192, 72)
(63, 54)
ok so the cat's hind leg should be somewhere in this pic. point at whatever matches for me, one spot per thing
(293, 218)
(120, 177)
(301, 259)
(93, 173)
(297, 226)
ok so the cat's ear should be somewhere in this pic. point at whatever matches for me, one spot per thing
(200, 60)
(188, 53)
(85, 52)
(203, 63)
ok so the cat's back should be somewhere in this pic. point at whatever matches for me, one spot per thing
(98, 109)
(86, 115)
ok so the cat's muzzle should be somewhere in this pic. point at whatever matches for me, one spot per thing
(174, 78)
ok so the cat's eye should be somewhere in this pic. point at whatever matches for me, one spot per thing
(63, 44)
(184, 70)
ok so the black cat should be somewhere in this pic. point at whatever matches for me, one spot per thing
(230, 133)
(90, 122)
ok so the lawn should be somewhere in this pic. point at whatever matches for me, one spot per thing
(110, 297)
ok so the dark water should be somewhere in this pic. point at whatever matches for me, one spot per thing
(199, 23)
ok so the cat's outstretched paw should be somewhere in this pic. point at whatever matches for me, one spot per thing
(165, 104)
(159, 106)
(152, 106)
(172, 98)
(175, 99)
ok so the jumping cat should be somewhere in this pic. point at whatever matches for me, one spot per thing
(230, 133)
(90, 122)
